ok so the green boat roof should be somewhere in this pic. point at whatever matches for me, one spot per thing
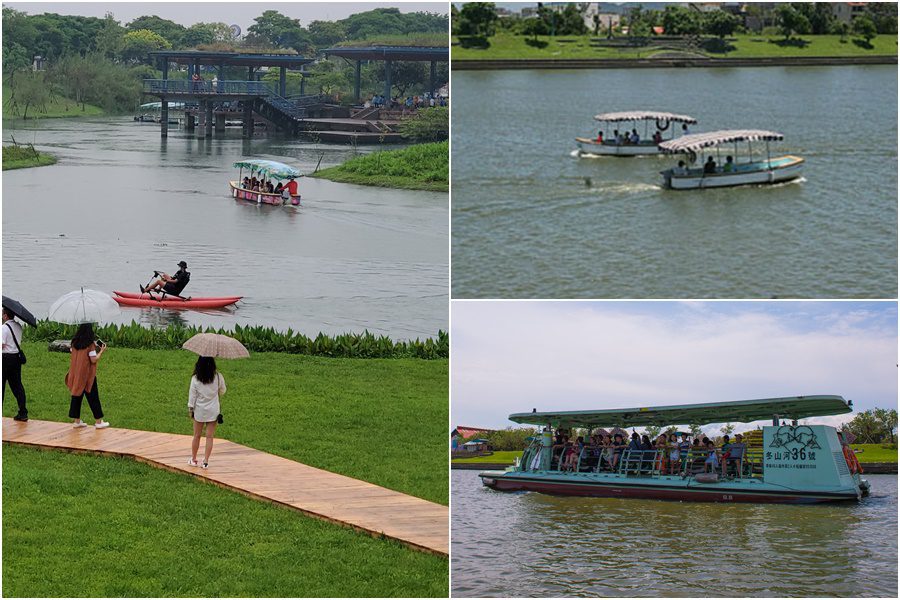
(741, 411)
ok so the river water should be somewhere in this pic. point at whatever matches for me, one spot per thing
(531, 220)
(530, 544)
(121, 203)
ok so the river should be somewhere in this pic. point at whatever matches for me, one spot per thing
(532, 221)
(122, 202)
(530, 544)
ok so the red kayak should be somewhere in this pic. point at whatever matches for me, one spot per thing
(168, 301)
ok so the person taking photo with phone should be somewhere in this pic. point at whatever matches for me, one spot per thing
(82, 376)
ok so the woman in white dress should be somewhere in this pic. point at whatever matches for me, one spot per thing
(207, 384)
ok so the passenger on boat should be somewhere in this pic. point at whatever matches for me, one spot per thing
(698, 455)
(728, 167)
(661, 453)
(712, 457)
(617, 447)
(618, 137)
(635, 138)
(269, 187)
(735, 456)
(245, 184)
(635, 443)
(170, 284)
(600, 137)
(674, 454)
(681, 169)
(684, 449)
(684, 129)
(569, 456)
(292, 186)
(657, 137)
(709, 166)
(558, 449)
(279, 187)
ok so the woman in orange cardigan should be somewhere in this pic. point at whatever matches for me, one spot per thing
(82, 376)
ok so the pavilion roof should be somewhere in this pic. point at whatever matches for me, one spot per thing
(406, 53)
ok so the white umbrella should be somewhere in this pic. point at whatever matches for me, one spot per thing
(216, 345)
(83, 306)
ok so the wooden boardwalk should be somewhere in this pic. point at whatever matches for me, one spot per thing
(420, 524)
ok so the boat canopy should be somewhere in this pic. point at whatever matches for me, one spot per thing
(644, 115)
(269, 168)
(696, 141)
(741, 411)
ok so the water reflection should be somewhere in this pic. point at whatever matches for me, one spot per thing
(531, 544)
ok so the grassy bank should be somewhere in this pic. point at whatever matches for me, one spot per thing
(507, 457)
(88, 526)
(508, 46)
(419, 167)
(57, 108)
(380, 420)
(23, 157)
(874, 453)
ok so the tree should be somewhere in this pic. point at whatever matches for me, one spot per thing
(866, 428)
(570, 21)
(652, 431)
(884, 15)
(109, 39)
(325, 34)
(404, 75)
(31, 91)
(727, 429)
(720, 23)
(887, 419)
(431, 125)
(791, 21)
(169, 30)
(670, 430)
(274, 29)
(695, 430)
(138, 44)
(200, 34)
(821, 17)
(477, 18)
(864, 27)
(535, 27)
(678, 20)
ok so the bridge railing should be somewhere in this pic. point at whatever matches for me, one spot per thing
(185, 86)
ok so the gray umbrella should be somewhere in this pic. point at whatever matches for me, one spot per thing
(18, 310)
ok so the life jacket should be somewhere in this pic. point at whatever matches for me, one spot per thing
(852, 461)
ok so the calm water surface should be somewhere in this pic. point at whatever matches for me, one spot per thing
(531, 220)
(529, 544)
(121, 202)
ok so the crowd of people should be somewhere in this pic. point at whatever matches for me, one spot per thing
(668, 454)
(266, 186)
(409, 103)
(632, 138)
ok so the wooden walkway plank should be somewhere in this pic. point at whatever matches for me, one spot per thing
(419, 524)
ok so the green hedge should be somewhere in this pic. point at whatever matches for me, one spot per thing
(256, 339)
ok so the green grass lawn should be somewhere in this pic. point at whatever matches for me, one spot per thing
(380, 420)
(507, 46)
(22, 157)
(873, 453)
(57, 107)
(419, 167)
(497, 457)
(88, 526)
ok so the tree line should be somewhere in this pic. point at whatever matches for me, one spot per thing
(100, 61)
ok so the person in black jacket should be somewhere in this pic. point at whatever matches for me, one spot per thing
(170, 284)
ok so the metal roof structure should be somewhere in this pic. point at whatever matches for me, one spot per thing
(406, 53)
(644, 115)
(697, 141)
(234, 59)
(741, 411)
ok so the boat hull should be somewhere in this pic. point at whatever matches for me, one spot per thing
(790, 169)
(673, 488)
(133, 299)
(261, 197)
(588, 146)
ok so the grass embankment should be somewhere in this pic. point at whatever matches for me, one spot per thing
(874, 453)
(380, 420)
(88, 526)
(419, 167)
(57, 108)
(508, 46)
(507, 457)
(22, 157)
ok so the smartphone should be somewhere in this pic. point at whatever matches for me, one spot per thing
(100, 342)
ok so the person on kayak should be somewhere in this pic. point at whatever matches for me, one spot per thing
(170, 284)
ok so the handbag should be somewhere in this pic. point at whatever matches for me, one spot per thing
(21, 355)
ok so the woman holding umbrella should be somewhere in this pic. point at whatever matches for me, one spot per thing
(82, 376)
(207, 384)
(13, 358)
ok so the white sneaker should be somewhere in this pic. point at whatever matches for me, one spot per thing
(79, 424)
(101, 424)
(204, 465)
(192, 462)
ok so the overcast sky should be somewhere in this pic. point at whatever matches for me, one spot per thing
(514, 356)
(239, 13)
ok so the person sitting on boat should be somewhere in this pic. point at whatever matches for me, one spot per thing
(292, 186)
(685, 130)
(635, 138)
(558, 450)
(657, 137)
(709, 166)
(269, 187)
(170, 284)
(618, 137)
(735, 456)
(600, 137)
(712, 457)
(617, 447)
(246, 183)
(681, 169)
(728, 167)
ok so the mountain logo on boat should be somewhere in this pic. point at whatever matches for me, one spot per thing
(795, 437)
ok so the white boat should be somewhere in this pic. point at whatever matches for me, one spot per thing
(613, 144)
(697, 173)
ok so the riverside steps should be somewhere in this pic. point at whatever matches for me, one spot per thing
(363, 506)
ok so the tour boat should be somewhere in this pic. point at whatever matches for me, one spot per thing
(164, 300)
(662, 122)
(752, 170)
(784, 463)
(265, 169)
